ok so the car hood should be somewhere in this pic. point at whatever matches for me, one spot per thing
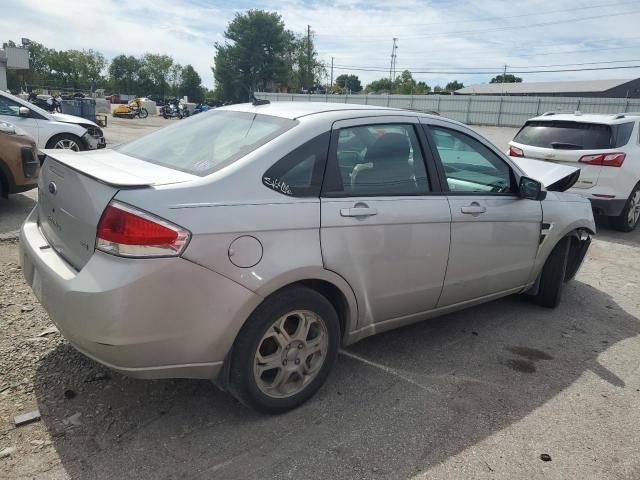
(63, 117)
(553, 176)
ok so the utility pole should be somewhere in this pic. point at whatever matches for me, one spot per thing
(392, 66)
(504, 75)
(331, 84)
(309, 77)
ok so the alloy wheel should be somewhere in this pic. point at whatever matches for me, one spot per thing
(67, 144)
(634, 209)
(290, 354)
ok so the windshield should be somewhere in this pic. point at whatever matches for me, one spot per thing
(568, 135)
(207, 142)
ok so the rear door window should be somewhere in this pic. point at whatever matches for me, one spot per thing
(567, 135)
(299, 173)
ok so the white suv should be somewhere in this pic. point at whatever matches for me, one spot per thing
(605, 147)
(55, 130)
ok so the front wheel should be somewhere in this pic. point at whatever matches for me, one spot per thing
(285, 351)
(628, 219)
(143, 113)
(66, 141)
(552, 278)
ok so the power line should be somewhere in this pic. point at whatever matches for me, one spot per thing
(490, 72)
(500, 67)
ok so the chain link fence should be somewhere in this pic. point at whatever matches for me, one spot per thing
(474, 109)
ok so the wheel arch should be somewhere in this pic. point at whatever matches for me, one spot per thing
(330, 285)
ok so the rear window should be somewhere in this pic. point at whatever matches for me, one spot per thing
(574, 135)
(207, 142)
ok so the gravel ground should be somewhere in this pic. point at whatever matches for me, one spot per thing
(482, 393)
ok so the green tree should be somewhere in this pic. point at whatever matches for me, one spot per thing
(254, 55)
(422, 88)
(306, 70)
(124, 74)
(155, 71)
(352, 83)
(190, 84)
(508, 78)
(438, 89)
(453, 86)
(384, 85)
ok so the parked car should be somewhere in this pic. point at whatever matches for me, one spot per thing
(56, 130)
(156, 98)
(247, 244)
(606, 148)
(19, 163)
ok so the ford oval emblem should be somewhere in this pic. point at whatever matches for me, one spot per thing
(53, 188)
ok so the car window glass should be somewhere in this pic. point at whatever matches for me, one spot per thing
(381, 160)
(299, 173)
(469, 165)
(202, 144)
(9, 107)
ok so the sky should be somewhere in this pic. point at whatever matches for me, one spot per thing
(461, 37)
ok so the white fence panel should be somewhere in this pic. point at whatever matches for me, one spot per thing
(474, 109)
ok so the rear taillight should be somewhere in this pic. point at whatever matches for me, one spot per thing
(604, 159)
(128, 232)
(515, 152)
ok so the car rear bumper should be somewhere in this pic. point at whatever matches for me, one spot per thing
(609, 207)
(145, 318)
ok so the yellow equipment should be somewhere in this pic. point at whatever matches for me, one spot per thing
(132, 109)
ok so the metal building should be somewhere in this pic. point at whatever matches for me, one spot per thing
(584, 88)
(12, 58)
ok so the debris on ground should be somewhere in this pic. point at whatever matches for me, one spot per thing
(73, 420)
(98, 377)
(48, 331)
(7, 452)
(27, 308)
(27, 418)
(69, 394)
(545, 457)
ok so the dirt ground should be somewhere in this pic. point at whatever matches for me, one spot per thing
(482, 393)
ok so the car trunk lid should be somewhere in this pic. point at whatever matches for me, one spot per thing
(75, 188)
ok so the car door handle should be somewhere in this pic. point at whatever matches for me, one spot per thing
(358, 212)
(473, 209)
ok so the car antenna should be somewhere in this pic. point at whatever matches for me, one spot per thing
(257, 101)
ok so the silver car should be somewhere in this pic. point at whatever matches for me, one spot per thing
(248, 243)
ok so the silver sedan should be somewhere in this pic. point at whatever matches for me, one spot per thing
(247, 244)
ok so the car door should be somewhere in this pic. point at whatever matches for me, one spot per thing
(10, 112)
(494, 232)
(384, 225)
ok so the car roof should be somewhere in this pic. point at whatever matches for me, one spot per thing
(603, 118)
(294, 110)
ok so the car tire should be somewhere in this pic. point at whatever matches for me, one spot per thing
(552, 277)
(629, 218)
(57, 141)
(280, 334)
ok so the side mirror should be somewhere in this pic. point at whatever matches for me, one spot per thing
(24, 112)
(531, 189)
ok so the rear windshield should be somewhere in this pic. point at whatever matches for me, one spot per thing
(574, 135)
(208, 141)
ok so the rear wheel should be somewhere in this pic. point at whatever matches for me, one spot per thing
(552, 278)
(66, 141)
(285, 351)
(630, 215)
(143, 113)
